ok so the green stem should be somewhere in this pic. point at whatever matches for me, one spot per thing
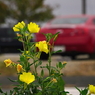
(89, 94)
(48, 84)
(35, 68)
(25, 45)
(49, 60)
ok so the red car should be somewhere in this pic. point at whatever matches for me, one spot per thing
(77, 34)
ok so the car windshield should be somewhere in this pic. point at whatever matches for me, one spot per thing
(69, 20)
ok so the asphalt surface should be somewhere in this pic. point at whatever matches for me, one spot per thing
(70, 81)
(80, 81)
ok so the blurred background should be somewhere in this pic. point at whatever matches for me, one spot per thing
(68, 7)
(78, 72)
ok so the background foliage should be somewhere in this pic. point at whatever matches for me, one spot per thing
(25, 10)
(4, 12)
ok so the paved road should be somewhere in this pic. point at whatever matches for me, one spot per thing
(71, 82)
(80, 81)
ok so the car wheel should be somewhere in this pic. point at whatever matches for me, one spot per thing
(1, 50)
(73, 57)
(92, 56)
(44, 56)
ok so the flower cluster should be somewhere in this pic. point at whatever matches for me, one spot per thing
(29, 82)
(24, 33)
(32, 27)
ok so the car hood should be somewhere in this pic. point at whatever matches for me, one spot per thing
(65, 25)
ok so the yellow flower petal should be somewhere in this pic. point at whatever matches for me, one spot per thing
(92, 89)
(54, 80)
(19, 35)
(7, 62)
(15, 29)
(19, 26)
(64, 62)
(33, 28)
(27, 77)
(19, 68)
(42, 46)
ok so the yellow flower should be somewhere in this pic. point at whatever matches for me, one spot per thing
(42, 46)
(64, 62)
(27, 77)
(54, 80)
(19, 26)
(19, 68)
(19, 35)
(27, 56)
(33, 28)
(8, 62)
(27, 52)
(92, 89)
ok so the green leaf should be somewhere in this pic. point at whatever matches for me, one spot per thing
(60, 83)
(1, 90)
(47, 78)
(63, 65)
(64, 93)
(48, 36)
(22, 58)
(84, 92)
(34, 62)
(39, 93)
(42, 72)
(60, 65)
(13, 80)
(53, 52)
(38, 64)
(55, 36)
(42, 66)
(78, 89)
(25, 29)
(55, 68)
